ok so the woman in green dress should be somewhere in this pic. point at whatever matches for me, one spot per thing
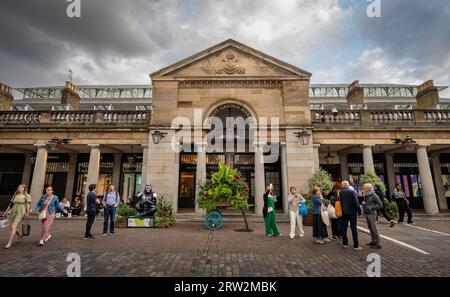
(19, 211)
(269, 213)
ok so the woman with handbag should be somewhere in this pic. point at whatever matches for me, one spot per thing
(335, 223)
(295, 200)
(21, 202)
(320, 232)
(47, 206)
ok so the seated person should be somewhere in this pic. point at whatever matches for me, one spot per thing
(77, 206)
(66, 205)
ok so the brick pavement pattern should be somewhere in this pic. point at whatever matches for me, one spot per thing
(188, 249)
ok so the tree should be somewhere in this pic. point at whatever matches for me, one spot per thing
(375, 180)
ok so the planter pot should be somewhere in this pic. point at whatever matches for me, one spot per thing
(308, 219)
(121, 225)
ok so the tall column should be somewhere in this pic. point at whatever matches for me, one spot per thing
(343, 159)
(116, 170)
(260, 182)
(40, 166)
(93, 169)
(284, 177)
(27, 170)
(440, 191)
(316, 157)
(144, 167)
(426, 181)
(390, 170)
(71, 176)
(368, 159)
(200, 176)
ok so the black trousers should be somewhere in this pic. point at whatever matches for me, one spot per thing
(385, 214)
(402, 207)
(345, 219)
(335, 227)
(89, 223)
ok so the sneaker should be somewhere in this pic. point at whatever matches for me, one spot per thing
(411, 222)
(358, 248)
(377, 247)
(345, 246)
(112, 233)
(48, 238)
(279, 235)
(104, 234)
(326, 240)
(370, 244)
(302, 235)
(269, 235)
(392, 224)
(41, 242)
(89, 237)
(291, 237)
(320, 241)
(335, 237)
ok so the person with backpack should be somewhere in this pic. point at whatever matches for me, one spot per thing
(111, 201)
(383, 211)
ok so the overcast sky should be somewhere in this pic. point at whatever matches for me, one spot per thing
(121, 42)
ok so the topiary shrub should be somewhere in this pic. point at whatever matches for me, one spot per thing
(375, 180)
(323, 180)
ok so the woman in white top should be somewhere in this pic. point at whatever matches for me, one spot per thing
(295, 200)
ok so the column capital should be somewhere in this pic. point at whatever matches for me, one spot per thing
(367, 145)
(422, 146)
(95, 146)
(41, 145)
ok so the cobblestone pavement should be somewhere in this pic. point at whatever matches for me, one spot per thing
(188, 249)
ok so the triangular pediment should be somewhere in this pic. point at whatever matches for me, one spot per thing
(230, 59)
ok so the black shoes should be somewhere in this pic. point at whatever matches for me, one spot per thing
(90, 236)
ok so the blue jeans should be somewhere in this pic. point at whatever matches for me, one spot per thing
(110, 213)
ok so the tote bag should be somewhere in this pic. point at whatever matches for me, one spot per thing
(331, 212)
(26, 228)
(324, 215)
(338, 206)
(303, 209)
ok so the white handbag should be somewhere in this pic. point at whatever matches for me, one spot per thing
(324, 215)
(331, 212)
(4, 222)
(43, 213)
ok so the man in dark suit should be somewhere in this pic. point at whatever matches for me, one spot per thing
(350, 212)
(91, 210)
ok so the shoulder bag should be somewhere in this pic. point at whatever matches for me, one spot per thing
(338, 206)
(43, 213)
(324, 215)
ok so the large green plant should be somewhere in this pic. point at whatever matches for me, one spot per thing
(375, 180)
(126, 211)
(323, 180)
(226, 186)
(164, 213)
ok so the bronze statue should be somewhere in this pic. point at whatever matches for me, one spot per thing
(146, 202)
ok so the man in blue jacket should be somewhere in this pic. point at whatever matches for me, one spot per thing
(91, 210)
(350, 212)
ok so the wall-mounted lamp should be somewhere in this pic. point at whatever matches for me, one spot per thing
(304, 136)
(157, 136)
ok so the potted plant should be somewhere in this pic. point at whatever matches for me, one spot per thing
(123, 213)
(227, 187)
(375, 180)
(164, 214)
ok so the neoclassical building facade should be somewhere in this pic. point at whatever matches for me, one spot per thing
(71, 136)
